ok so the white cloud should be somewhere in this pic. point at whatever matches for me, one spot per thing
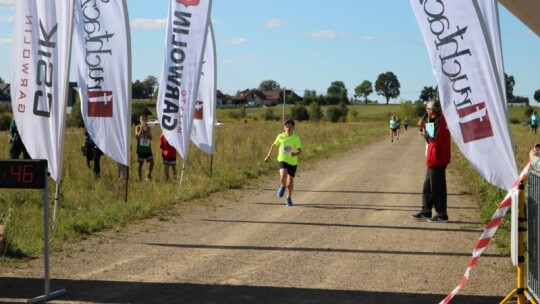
(239, 59)
(324, 34)
(5, 41)
(230, 60)
(370, 38)
(148, 24)
(7, 4)
(6, 19)
(238, 40)
(254, 56)
(273, 23)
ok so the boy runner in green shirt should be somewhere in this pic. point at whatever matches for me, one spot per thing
(290, 147)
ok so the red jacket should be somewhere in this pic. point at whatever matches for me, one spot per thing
(168, 151)
(438, 150)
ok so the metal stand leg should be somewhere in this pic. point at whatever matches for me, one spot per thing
(521, 291)
(48, 294)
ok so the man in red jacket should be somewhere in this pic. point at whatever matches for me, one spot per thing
(435, 132)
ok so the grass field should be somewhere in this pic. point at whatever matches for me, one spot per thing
(88, 205)
(365, 112)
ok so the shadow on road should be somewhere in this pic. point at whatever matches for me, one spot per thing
(88, 291)
(353, 206)
(431, 228)
(356, 191)
(305, 249)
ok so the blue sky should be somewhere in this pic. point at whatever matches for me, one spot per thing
(308, 44)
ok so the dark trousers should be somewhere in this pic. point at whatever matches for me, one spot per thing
(17, 147)
(94, 154)
(434, 192)
(97, 167)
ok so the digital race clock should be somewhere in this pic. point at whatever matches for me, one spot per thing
(23, 173)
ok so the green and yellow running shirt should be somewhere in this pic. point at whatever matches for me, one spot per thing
(287, 145)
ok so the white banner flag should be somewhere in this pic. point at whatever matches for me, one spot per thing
(205, 109)
(490, 16)
(103, 45)
(183, 58)
(463, 62)
(39, 77)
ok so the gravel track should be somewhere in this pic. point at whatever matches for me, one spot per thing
(347, 239)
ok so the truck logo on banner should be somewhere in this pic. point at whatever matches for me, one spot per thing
(100, 104)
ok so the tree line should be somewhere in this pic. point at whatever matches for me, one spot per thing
(387, 85)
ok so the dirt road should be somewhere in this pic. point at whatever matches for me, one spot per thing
(347, 239)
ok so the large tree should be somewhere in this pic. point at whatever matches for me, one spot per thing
(310, 96)
(337, 92)
(387, 85)
(429, 93)
(364, 89)
(269, 85)
(137, 90)
(149, 85)
(510, 82)
(312, 93)
(76, 114)
(537, 95)
(321, 100)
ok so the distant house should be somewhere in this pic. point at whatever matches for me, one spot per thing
(5, 95)
(5, 88)
(73, 94)
(222, 99)
(257, 98)
(518, 101)
(277, 96)
(252, 98)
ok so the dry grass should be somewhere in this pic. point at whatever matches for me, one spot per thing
(88, 205)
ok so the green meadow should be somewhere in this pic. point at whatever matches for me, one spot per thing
(87, 205)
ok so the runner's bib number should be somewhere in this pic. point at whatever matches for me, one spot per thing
(287, 149)
(144, 142)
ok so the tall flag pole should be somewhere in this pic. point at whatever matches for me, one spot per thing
(204, 117)
(40, 78)
(103, 43)
(185, 41)
(283, 108)
(463, 62)
(123, 171)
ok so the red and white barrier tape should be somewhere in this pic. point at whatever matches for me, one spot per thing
(488, 233)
